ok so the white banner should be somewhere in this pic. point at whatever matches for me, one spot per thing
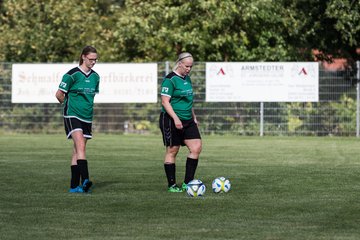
(262, 82)
(119, 83)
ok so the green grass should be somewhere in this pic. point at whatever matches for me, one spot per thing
(282, 188)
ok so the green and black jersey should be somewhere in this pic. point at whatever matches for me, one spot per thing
(80, 89)
(180, 91)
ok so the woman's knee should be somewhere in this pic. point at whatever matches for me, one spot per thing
(195, 147)
(172, 150)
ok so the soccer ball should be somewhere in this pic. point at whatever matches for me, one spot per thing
(221, 184)
(195, 188)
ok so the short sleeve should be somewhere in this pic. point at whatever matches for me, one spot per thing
(66, 83)
(167, 88)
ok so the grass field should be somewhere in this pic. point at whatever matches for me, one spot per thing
(282, 188)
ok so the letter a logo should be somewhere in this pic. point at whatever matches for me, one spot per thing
(221, 72)
(303, 71)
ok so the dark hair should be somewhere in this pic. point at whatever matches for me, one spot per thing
(86, 50)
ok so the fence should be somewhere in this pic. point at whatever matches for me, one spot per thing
(336, 113)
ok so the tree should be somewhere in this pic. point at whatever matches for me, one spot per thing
(157, 30)
(52, 31)
(332, 27)
(346, 15)
(212, 30)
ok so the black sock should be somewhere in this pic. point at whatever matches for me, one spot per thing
(191, 165)
(170, 170)
(84, 172)
(75, 176)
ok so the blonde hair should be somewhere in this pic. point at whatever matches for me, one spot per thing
(181, 57)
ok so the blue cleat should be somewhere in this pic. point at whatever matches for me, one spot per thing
(78, 189)
(86, 185)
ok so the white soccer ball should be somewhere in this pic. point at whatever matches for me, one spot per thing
(221, 184)
(195, 188)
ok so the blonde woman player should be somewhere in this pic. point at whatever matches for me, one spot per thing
(76, 92)
(178, 121)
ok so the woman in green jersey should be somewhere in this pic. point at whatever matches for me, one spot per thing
(76, 92)
(178, 121)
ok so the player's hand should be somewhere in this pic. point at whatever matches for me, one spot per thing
(196, 121)
(178, 124)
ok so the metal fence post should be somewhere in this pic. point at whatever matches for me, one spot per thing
(261, 119)
(357, 99)
(167, 68)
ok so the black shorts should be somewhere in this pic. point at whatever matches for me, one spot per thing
(74, 124)
(175, 137)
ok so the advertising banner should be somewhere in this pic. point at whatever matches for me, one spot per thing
(119, 83)
(262, 82)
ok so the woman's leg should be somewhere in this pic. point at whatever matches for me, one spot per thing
(79, 155)
(169, 165)
(195, 147)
